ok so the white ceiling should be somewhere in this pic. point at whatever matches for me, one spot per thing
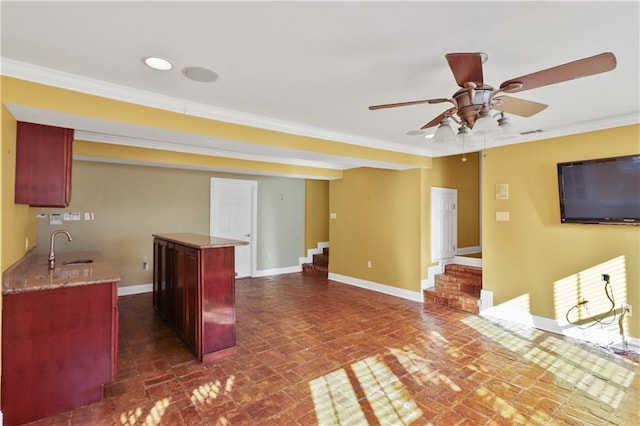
(313, 68)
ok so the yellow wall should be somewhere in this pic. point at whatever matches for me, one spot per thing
(18, 221)
(316, 213)
(378, 219)
(36, 95)
(534, 258)
(206, 162)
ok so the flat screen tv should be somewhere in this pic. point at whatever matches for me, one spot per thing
(601, 191)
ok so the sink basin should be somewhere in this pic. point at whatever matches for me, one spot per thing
(78, 262)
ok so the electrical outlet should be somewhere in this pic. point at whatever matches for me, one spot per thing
(627, 310)
(369, 264)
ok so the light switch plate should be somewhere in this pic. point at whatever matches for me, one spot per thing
(502, 216)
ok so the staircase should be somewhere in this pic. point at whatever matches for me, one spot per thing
(458, 287)
(320, 265)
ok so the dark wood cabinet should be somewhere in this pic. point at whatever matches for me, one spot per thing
(59, 348)
(194, 292)
(43, 165)
(186, 261)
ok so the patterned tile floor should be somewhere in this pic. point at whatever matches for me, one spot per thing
(312, 351)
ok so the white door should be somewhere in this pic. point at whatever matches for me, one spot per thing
(233, 215)
(444, 223)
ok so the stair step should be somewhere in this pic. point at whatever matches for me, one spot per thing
(313, 269)
(464, 283)
(321, 259)
(456, 269)
(452, 298)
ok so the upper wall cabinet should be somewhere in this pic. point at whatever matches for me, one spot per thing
(43, 165)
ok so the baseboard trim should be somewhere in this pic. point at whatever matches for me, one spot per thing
(519, 315)
(415, 296)
(134, 289)
(432, 271)
(276, 271)
(311, 252)
(467, 261)
(468, 250)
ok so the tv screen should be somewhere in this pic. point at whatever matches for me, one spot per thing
(605, 190)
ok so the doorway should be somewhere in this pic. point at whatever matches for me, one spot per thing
(233, 215)
(444, 223)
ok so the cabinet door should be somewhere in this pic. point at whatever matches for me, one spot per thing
(59, 348)
(192, 310)
(178, 291)
(43, 165)
(169, 284)
(218, 299)
(187, 276)
(159, 253)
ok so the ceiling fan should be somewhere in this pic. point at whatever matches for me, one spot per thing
(474, 101)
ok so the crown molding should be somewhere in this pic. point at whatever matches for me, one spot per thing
(331, 162)
(198, 168)
(50, 77)
(77, 83)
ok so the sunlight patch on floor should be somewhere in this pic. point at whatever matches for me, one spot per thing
(505, 409)
(594, 375)
(335, 400)
(420, 370)
(209, 392)
(131, 417)
(389, 399)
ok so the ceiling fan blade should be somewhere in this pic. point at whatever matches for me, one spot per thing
(516, 106)
(399, 104)
(581, 68)
(467, 67)
(438, 119)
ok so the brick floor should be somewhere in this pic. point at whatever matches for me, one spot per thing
(312, 351)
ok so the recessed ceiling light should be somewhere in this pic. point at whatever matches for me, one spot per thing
(203, 75)
(159, 64)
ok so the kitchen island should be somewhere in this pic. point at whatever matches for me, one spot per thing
(194, 291)
(59, 334)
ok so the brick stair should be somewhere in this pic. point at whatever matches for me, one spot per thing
(458, 287)
(320, 265)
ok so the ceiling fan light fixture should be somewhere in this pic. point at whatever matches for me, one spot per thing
(485, 124)
(464, 135)
(157, 63)
(508, 131)
(444, 132)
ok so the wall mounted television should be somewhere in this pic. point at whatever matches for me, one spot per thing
(600, 191)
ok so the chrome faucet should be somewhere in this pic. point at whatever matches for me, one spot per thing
(52, 255)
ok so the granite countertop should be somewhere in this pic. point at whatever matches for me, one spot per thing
(199, 241)
(32, 272)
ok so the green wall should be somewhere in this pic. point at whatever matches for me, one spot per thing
(535, 261)
(130, 203)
